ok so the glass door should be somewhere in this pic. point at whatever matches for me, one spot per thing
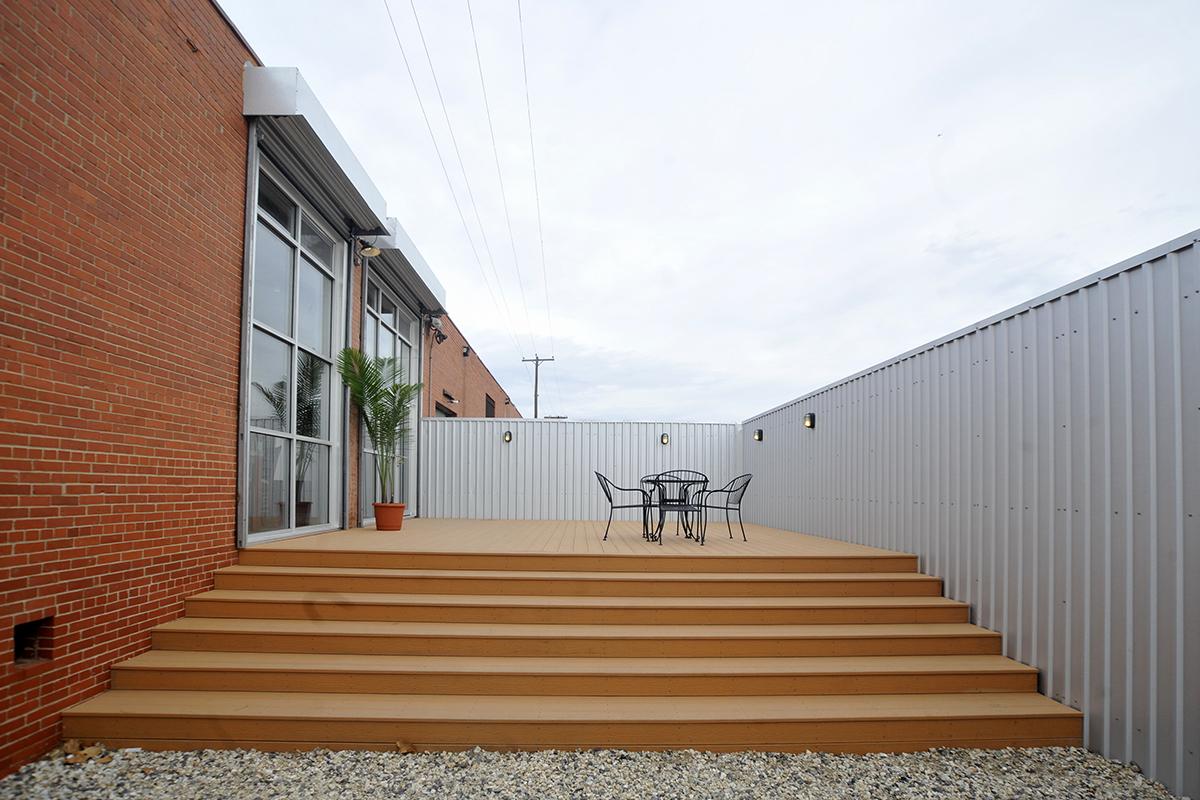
(389, 329)
(292, 403)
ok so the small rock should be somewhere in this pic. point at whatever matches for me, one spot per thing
(132, 774)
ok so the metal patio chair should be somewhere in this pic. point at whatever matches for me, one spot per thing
(727, 498)
(677, 491)
(610, 489)
(648, 480)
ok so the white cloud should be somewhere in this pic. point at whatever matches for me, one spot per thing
(744, 202)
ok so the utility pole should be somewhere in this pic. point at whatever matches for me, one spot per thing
(537, 364)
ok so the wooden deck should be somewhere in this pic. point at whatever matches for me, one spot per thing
(525, 544)
(452, 634)
(574, 537)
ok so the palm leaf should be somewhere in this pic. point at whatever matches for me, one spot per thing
(384, 400)
(276, 396)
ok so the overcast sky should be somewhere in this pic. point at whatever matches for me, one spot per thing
(745, 201)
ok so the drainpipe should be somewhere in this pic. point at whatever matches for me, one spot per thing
(349, 328)
(241, 533)
(429, 372)
(421, 349)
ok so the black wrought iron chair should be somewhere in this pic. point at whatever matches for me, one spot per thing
(648, 480)
(727, 498)
(643, 503)
(677, 491)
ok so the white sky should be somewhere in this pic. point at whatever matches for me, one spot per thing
(745, 201)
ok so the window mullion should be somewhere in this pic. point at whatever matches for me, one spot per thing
(269, 432)
(276, 228)
(326, 359)
(314, 440)
(265, 328)
(316, 261)
(295, 380)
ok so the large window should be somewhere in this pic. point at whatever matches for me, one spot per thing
(389, 329)
(297, 272)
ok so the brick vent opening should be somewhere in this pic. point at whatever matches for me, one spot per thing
(32, 641)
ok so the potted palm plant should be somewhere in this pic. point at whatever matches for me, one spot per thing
(377, 387)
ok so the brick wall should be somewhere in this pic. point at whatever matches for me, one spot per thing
(122, 182)
(466, 378)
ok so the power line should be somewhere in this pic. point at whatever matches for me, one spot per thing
(438, 150)
(461, 165)
(512, 240)
(446, 173)
(537, 195)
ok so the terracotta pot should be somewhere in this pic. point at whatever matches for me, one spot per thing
(389, 516)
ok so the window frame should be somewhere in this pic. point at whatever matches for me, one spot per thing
(407, 475)
(336, 272)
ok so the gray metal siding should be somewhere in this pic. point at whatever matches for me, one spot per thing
(1046, 463)
(467, 471)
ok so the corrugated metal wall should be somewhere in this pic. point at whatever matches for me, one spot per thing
(467, 470)
(1046, 463)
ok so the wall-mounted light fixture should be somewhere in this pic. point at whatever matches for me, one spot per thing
(368, 250)
(810, 420)
(758, 435)
(466, 351)
(665, 438)
(507, 437)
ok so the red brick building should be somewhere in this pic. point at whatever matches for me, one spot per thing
(179, 239)
(456, 381)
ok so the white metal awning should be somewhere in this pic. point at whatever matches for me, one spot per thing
(403, 262)
(297, 134)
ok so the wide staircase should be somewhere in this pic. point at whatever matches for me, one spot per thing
(409, 651)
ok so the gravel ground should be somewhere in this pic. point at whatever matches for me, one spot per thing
(245, 774)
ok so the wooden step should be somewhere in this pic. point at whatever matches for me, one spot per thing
(857, 723)
(640, 641)
(375, 674)
(869, 561)
(589, 584)
(839, 648)
(233, 603)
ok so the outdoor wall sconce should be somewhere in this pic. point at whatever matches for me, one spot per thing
(665, 438)
(466, 351)
(368, 250)
(758, 435)
(507, 437)
(810, 420)
(436, 325)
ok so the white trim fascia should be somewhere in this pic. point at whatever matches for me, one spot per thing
(398, 239)
(282, 92)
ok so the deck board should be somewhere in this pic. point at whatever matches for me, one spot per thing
(469, 665)
(207, 705)
(569, 537)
